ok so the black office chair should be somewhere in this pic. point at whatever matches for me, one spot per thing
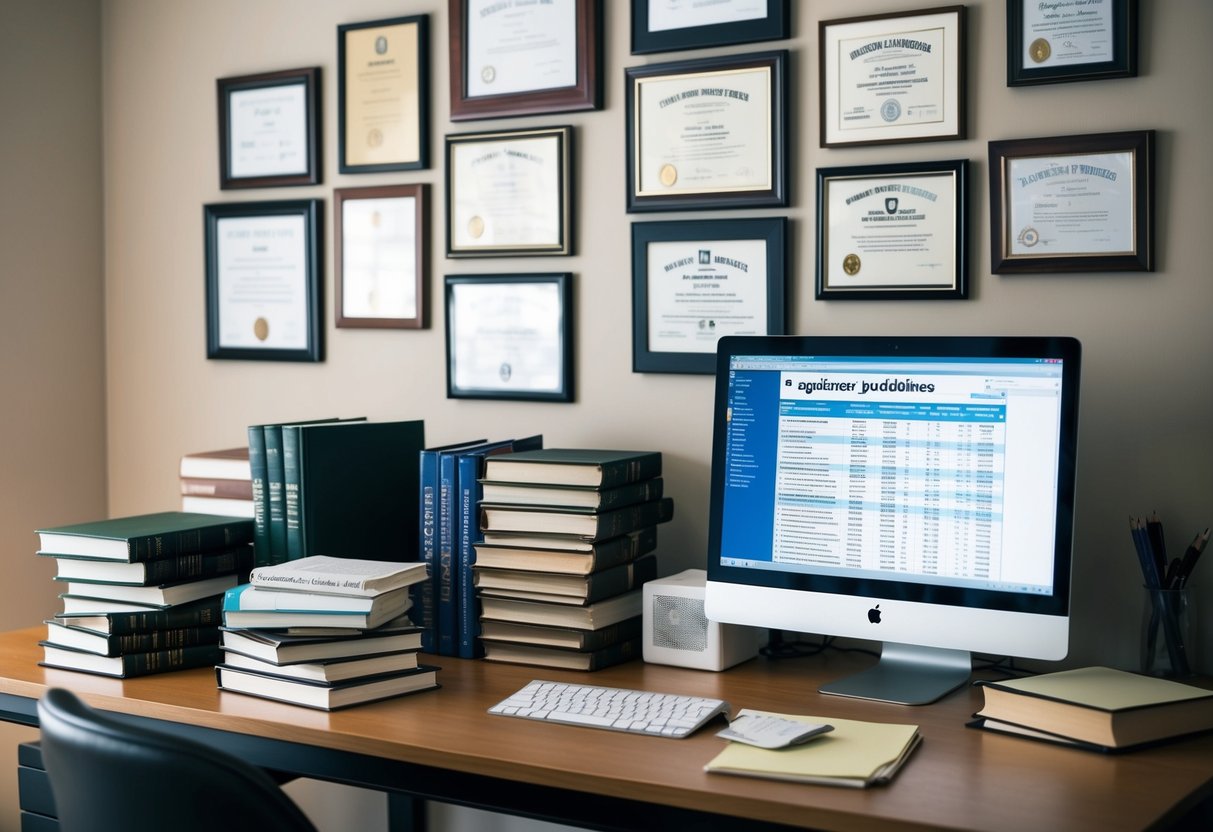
(108, 776)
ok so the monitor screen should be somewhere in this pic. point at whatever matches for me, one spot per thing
(916, 491)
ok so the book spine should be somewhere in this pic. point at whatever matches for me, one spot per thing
(206, 614)
(157, 640)
(261, 516)
(161, 661)
(469, 473)
(274, 489)
(615, 654)
(189, 541)
(212, 487)
(292, 497)
(630, 518)
(189, 567)
(639, 492)
(620, 579)
(631, 470)
(629, 628)
(424, 592)
(447, 534)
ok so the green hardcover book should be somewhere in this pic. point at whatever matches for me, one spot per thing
(259, 477)
(575, 466)
(131, 664)
(588, 525)
(205, 613)
(564, 637)
(358, 489)
(572, 496)
(63, 634)
(538, 554)
(566, 589)
(500, 651)
(152, 572)
(275, 492)
(145, 537)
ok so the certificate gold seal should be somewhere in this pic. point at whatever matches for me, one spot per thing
(668, 175)
(488, 74)
(1029, 236)
(850, 264)
(261, 328)
(1040, 50)
(374, 138)
(476, 226)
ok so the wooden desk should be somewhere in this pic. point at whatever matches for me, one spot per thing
(442, 745)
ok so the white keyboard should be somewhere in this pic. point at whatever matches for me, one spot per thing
(616, 709)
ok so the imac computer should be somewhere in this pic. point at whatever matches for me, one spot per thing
(917, 491)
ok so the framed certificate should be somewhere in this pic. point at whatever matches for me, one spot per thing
(263, 280)
(1048, 43)
(269, 129)
(892, 231)
(694, 282)
(1072, 203)
(509, 337)
(707, 133)
(508, 193)
(672, 25)
(514, 59)
(896, 77)
(383, 111)
(381, 258)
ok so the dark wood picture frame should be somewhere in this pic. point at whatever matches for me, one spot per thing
(872, 28)
(414, 103)
(560, 201)
(776, 25)
(311, 173)
(770, 232)
(311, 211)
(772, 193)
(887, 198)
(1021, 72)
(1139, 144)
(419, 194)
(585, 93)
(563, 352)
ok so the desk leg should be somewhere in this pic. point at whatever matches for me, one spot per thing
(405, 813)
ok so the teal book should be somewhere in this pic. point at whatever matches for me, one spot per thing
(358, 489)
(146, 537)
(425, 594)
(469, 471)
(575, 466)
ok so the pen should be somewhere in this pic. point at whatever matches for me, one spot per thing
(1158, 545)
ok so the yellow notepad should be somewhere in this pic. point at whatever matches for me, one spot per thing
(856, 754)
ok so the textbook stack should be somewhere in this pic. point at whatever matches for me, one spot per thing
(568, 536)
(324, 632)
(143, 593)
(217, 482)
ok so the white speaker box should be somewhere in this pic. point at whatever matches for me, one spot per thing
(677, 632)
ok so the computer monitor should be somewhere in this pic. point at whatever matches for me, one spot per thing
(917, 491)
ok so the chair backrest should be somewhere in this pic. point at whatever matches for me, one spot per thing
(107, 775)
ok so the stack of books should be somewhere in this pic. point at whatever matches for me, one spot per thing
(324, 632)
(1095, 708)
(567, 542)
(335, 485)
(143, 593)
(217, 482)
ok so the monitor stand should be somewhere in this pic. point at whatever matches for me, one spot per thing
(907, 675)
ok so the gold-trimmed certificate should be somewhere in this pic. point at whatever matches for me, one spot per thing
(892, 78)
(1065, 34)
(382, 113)
(889, 230)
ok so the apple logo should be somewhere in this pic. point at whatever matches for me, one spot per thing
(874, 614)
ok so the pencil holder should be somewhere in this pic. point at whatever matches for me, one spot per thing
(1168, 628)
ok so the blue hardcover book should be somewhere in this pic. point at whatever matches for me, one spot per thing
(425, 594)
(470, 470)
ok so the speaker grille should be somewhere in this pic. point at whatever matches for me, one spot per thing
(679, 623)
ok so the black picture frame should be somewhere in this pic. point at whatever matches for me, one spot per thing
(1026, 62)
(775, 25)
(383, 253)
(867, 267)
(650, 184)
(469, 212)
(378, 127)
(237, 293)
(883, 106)
(585, 93)
(245, 164)
(1014, 238)
(473, 373)
(767, 234)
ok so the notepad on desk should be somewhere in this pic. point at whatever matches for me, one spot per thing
(855, 754)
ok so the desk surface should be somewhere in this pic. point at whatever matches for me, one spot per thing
(959, 778)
